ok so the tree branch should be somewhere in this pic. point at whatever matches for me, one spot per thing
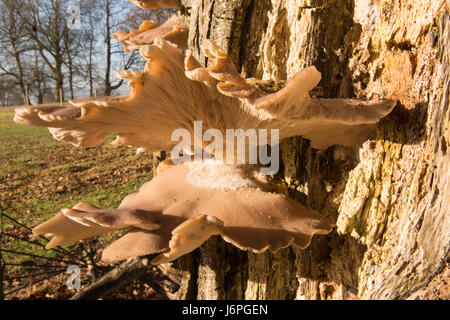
(127, 272)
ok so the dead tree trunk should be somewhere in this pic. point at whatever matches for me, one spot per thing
(390, 198)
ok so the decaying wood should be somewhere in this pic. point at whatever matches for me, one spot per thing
(391, 200)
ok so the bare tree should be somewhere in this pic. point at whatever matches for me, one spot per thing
(14, 44)
(71, 47)
(39, 78)
(45, 24)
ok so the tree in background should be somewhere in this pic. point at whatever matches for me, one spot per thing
(42, 54)
(114, 18)
(14, 43)
(89, 49)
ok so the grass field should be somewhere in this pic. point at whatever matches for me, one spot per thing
(39, 176)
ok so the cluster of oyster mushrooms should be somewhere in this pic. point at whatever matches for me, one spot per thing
(184, 204)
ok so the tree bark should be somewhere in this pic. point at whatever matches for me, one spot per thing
(46, 26)
(390, 197)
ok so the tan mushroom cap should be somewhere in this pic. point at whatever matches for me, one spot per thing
(174, 90)
(185, 204)
(156, 4)
(190, 235)
(173, 30)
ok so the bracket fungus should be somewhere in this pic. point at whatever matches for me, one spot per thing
(184, 204)
(175, 213)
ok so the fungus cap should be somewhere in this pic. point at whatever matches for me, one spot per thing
(176, 212)
(185, 204)
(215, 95)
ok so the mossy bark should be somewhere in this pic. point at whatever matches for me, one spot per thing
(390, 198)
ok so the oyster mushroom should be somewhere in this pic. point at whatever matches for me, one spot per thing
(173, 30)
(187, 203)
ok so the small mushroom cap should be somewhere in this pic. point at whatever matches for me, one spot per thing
(325, 122)
(173, 30)
(164, 165)
(121, 35)
(156, 4)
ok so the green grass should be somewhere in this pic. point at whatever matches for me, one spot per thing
(39, 176)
